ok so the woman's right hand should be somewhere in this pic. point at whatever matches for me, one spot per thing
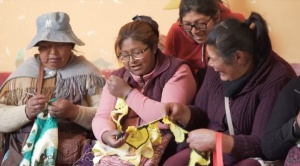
(114, 138)
(35, 105)
(177, 112)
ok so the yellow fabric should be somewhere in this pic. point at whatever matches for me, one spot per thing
(128, 152)
(121, 109)
(179, 134)
(177, 131)
(141, 140)
(196, 158)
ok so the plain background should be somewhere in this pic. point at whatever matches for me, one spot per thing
(97, 23)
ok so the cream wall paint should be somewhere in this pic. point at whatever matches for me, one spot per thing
(282, 17)
(96, 22)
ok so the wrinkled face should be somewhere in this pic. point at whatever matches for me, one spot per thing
(55, 55)
(193, 18)
(141, 66)
(228, 72)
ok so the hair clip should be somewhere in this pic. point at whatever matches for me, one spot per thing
(252, 25)
(224, 25)
(136, 18)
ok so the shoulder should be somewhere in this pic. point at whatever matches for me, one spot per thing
(293, 84)
(281, 67)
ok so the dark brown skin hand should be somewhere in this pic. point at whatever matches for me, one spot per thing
(177, 112)
(62, 108)
(111, 138)
(35, 105)
(202, 140)
(117, 86)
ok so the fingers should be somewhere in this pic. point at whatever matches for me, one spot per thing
(54, 111)
(39, 107)
(118, 136)
(167, 110)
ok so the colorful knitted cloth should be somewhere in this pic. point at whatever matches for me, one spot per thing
(41, 146)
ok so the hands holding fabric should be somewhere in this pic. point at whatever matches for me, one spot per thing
(35, 105)
(202, 140)
(117, 86)
(62, 108)
(177, 112)
(114, 138)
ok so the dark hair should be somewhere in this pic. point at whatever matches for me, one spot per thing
(250, 36)
(205, 7)
(142, 28)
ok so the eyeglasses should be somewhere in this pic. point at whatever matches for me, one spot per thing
(135, 55)
(198, 26)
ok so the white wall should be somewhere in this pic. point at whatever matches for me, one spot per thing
(282, 17)
(96, 22)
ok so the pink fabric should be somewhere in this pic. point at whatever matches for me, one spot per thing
(293, 157)
(180, 88)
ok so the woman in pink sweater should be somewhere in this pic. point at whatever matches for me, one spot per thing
(147, 80)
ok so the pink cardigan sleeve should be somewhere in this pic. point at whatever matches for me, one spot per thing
(180, 88)
(101, 121)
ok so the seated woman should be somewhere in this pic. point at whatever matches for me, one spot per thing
(72, 80)
(244, 74)
(148, 79)
(283, 130)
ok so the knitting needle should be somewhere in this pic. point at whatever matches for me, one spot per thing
(31, 94)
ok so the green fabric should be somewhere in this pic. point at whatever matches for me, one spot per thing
(41, 146)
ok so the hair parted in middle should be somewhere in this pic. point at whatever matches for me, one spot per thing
(142, 28)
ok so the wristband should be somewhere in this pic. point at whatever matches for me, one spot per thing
(128, 93)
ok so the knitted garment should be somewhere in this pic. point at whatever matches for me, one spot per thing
(41, 145)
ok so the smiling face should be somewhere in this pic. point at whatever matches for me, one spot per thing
(228, 72)
(55, 55)
(141, 66)
(193, 18)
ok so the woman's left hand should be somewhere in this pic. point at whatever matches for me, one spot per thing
(202, 140)
(62, 108)
(117, 86)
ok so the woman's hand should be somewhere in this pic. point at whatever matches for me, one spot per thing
(117, 86)
(177, 112)
(202, 140)
(35, 105)
(114, 138)
(62, 108)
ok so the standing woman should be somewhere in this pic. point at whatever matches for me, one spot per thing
(148, 79)
(72, 80)
(245, 74)
(186, 37)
